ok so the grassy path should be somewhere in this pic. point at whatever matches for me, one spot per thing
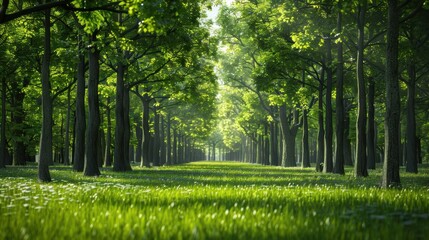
(211, 200)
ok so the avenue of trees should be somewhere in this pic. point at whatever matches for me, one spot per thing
(105, 83)
(320, 83)
(326, 83)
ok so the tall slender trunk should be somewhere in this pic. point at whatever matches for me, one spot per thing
(46, 136)
(139, 136)
(127, 130)
(174, 160)
(108, 151)
(360, 169)
(328, 156)
(339, 150)
(67, 137)
(80, 125)
(156, 160)
(266, 160)
(163, 153)
(118, 161)
(91, 161)
(371, 125)
(169, 162)
(393, 108)
(146, 132)
(412, 160)
(214, 151)
(321, 129)
(305, 147)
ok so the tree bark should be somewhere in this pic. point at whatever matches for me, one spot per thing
(339, 131)
(156, 161)
(289, 135)
(392, 118)
(175, 145)
(305, 163)
(411, 159)
(266, 160)
(108, 151)
(146, 133)
(67, 135)
(127, 130)
(80, 126)
(139, 136)
(360, 169)
(46, 137)
(169, 162)
(371, 125)
(328, 157)
(91, 161)
(119, 153)
(163, 153)
(321, 130)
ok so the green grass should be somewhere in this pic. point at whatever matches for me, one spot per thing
(211, 200)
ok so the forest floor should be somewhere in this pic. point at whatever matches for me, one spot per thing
(211, 200)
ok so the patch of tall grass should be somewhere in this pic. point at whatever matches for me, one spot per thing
(211, 200)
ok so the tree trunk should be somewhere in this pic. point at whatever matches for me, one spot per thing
(139, 136)
(156, 161)
(108, 151)
(46, 136)
(119, 153)
(174, 160)
(67, 137)
(327, 160)
(266, 160)
(214, 151)
(321, 130)
(371, 125)
(305, 147)
(339, 131)
(412, 160)
(169, 162)
(289, 134)
(91, 161)
(392, 117)
(163, 154)
(80, 125)
(360, 169)
(127, 130)
(146, 133)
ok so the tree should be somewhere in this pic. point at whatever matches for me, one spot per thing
(392, 117)
(360, 169)
(46, 136)
(339, 101)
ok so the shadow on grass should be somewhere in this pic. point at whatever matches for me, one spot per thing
(216, 174)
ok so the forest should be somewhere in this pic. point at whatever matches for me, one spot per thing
(226, 119)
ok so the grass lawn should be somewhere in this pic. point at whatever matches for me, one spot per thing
(211, 200)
